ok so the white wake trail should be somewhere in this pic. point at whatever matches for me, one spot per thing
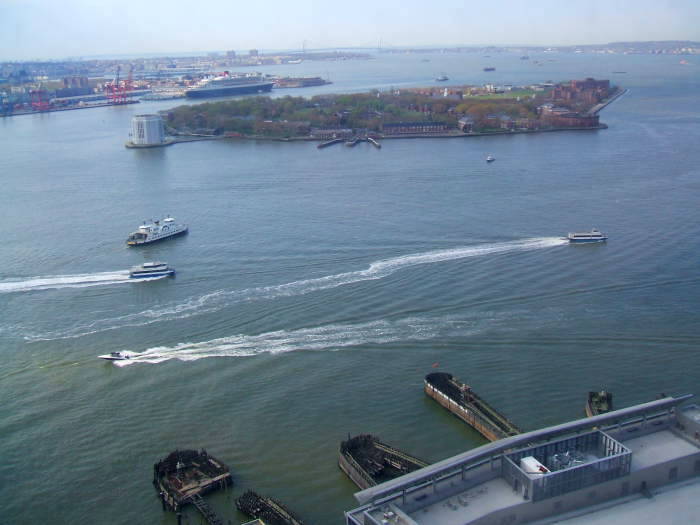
(64, 281)
(220, 299)
(323, 338)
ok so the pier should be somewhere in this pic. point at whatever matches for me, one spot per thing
(184, 476)
(329, 143)
(464, 403)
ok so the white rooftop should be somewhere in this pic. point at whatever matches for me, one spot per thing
(658, 447)
(677, 504)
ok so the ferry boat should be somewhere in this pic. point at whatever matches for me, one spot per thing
(229, 85)
(156, 231)
(585, 237)
(151, 269)
(115, 356)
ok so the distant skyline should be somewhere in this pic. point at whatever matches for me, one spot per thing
(41, 29)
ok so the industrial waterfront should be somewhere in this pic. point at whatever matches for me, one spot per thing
(318, 287)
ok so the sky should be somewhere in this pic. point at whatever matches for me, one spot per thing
(55, 29)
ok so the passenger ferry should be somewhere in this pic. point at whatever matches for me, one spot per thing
(156, 231)
(583, 237)
(151, 269)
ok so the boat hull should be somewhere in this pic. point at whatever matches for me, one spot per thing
(150, 275)
(262, 87)
(587, 241)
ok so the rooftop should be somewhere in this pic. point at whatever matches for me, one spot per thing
(611, 457)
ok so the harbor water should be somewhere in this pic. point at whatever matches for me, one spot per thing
(316, 288)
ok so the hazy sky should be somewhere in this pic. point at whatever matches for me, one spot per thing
(47, 29)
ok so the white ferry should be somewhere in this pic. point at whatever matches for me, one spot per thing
(156, 231)
(151, 269)
(584, 237)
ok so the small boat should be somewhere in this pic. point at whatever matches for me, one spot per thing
(442, 78)
(598, 403)
(490, 158)
(151, 269)
(489, 69)
(115, 356)
(584, 237)
(156, 231)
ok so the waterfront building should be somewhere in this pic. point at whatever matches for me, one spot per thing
(591, 465)
(147, 130)
(411, 128)
(332, 133)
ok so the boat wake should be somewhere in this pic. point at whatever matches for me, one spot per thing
(220, 299)
(64, 281)
(323, 338)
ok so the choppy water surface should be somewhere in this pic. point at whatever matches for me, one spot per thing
(317, 287)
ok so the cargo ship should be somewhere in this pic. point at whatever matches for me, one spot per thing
(464, 403)
(368, 462)
(229, 85)
(598, 403)
(269, 511)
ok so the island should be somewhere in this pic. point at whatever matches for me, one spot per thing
(414, 112)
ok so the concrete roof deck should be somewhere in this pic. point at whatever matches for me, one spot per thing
(656, 448)
(678, 503)
(469, 505)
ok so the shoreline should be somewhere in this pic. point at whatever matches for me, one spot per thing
(175, 139)
(72, 108)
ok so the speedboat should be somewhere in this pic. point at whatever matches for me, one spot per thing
(151, 269)
(442, 78)
(115, 356)
(490, 158)
(585, 237)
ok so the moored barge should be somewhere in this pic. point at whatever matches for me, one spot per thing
(266, 509)
(598, 403)
(368, 462)
(464, 403)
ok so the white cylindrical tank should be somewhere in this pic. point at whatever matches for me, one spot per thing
(147, 130)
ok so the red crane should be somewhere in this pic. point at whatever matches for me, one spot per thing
(39, 100)
(119, 92)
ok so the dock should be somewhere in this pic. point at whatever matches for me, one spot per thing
(184, 476)
(329, 143)
(374, 142)
(464, 403)
(368, 462)
(265, 509)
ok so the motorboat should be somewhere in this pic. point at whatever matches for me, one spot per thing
(151, 269)
(586, 237)
(490, 158)
(115, 356)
